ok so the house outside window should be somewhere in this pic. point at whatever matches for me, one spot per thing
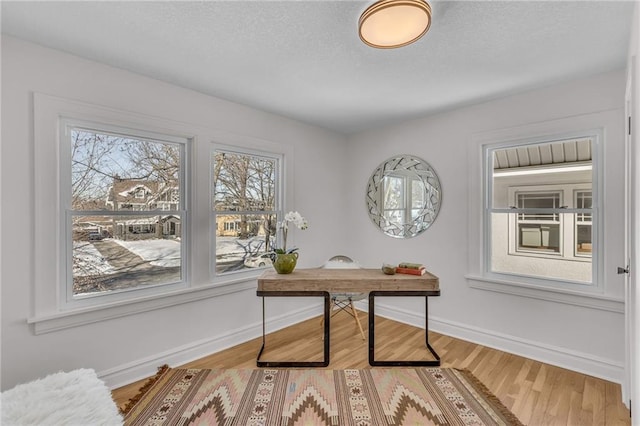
(113, 178)
(583, 223)
(246, 204)
(538, 231)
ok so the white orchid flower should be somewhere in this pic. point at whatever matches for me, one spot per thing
(295, 218)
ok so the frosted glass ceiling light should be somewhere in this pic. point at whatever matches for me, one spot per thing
(394, 23)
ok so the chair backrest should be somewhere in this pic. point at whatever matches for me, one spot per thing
(341, 262)
(344, 262)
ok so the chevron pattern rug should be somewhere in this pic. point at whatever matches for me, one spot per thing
(371, 397)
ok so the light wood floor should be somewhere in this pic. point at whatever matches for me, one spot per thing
(537, 393)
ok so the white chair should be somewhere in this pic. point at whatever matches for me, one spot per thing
(344, 301)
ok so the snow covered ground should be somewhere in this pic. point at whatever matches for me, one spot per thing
(165, 253)
(88, 261)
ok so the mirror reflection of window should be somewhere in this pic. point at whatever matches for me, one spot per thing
(404, 197)
(418, 198)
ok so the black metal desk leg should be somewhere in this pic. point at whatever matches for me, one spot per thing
(400, 363)
(327, 329)
(426, 330)
(372, 337)
(263, 333)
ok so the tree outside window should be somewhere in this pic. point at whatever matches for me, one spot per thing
(245, 207)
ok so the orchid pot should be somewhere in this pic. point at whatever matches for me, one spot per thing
(285, 263)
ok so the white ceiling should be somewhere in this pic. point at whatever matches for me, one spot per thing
(304, 60)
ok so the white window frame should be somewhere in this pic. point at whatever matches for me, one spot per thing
(481, 165)
(47, 314)
(604, 294)
(279, 158)
(67, 299)
(594, 285)
(50, 312)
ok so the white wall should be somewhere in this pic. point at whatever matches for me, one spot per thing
(128, 347)
(583, 338)
(131, 347)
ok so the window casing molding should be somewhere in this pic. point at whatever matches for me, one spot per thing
(47, 314)
(600, 295)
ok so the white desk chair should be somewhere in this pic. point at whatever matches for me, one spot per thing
(344, 301)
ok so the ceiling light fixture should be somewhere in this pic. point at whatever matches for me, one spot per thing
(387, 24)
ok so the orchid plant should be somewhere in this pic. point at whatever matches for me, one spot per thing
(296, 219)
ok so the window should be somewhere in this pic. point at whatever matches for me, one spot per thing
(538, 231)
(540, 210)
(101, 250)
(119, 238)
(246, 203)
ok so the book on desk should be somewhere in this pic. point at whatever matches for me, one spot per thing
(411, 268)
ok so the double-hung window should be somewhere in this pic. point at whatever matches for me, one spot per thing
(119, 226)
(117, 235)
(541, 221)
(246, 204)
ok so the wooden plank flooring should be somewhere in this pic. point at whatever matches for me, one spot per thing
(537, 393)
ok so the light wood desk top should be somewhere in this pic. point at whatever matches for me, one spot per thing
(345, 280)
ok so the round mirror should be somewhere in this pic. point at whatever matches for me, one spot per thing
(403, 196)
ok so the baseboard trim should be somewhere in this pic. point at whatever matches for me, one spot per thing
(581, 362)
(142, 368)
(572, 360)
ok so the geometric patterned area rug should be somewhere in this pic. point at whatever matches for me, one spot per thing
(371, 397)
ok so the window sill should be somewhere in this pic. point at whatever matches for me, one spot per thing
(68, 319)
(558, 295)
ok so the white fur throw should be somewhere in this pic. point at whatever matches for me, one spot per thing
(76, 398)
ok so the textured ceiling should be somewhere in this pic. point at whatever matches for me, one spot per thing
(304, 60)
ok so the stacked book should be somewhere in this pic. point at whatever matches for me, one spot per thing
(410, 268)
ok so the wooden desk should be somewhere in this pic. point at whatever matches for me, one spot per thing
(323, 282)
